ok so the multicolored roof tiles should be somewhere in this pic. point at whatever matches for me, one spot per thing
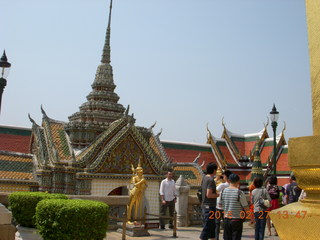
(15, 166)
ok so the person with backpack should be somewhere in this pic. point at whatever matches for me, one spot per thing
(293, 191)
(261, 200)
(274, 192)
(235, 206)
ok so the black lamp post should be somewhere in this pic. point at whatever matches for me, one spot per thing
(274, 115)
(4, 71)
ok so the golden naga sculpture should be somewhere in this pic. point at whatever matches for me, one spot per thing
(136, 193)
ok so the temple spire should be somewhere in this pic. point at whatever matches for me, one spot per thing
(101, 108)
(106, 49)
(256, 166)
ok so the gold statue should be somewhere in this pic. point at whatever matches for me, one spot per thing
(219, 178)
(137, 192)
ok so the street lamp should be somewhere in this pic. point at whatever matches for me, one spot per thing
(274, 115)
(4, 72)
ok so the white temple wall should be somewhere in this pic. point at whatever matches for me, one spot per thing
(105, 186)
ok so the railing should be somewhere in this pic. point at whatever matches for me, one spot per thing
(194, 215)
(144, 220)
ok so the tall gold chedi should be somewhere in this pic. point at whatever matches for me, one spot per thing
(301, 220)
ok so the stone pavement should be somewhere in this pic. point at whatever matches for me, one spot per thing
(185, 233)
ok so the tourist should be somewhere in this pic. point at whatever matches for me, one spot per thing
(168, 198)
(208, 204)
(260, 214)
(274, 193)
(219, 210)
(235, 206)
(251, 207)
(284, 196)
(293, 191)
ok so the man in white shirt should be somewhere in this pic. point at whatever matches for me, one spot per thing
(168, 198)
(219, 216)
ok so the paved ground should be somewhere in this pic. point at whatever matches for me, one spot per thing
(184, 233)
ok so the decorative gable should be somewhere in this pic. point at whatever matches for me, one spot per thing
(116, 154)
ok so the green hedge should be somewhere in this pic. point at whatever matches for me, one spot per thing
(23, 205)
(72, 219)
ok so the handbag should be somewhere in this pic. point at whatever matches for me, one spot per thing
(264, 203)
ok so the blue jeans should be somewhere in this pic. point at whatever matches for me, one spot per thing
(261, 220)
(208, 230)
(218, 219)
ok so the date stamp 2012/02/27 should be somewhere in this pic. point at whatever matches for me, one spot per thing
(261, 214)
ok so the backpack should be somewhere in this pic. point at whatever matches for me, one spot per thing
(273, 191)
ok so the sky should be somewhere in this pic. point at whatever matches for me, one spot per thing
(181, 63)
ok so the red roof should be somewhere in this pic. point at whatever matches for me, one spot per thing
(241, 147)
(14, 143)
(266, 151)
(225, 151)
(249, 147)
(187, 152)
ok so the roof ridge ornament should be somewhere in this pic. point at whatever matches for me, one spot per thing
(158, 135)
(208, 128)
(31, 120)
(127, 110)
(202, 163)
(266, 125)
(106, 49)
(42, 111)
(152, 126)
(285, 127)
(223, 123)
(197, 158)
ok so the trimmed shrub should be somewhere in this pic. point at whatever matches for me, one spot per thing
(23, 205)
(59, 219)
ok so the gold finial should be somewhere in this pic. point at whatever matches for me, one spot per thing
(266, 125)
(285, 127)
(223, 124)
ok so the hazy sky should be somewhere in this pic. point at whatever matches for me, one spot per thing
(182, 63)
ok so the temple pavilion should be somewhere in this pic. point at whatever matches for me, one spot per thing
(93, 153)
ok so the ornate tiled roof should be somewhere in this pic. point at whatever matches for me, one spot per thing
(60, 141)
(158, 148)
(191, 172)
(16, 166)
(120, 145)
